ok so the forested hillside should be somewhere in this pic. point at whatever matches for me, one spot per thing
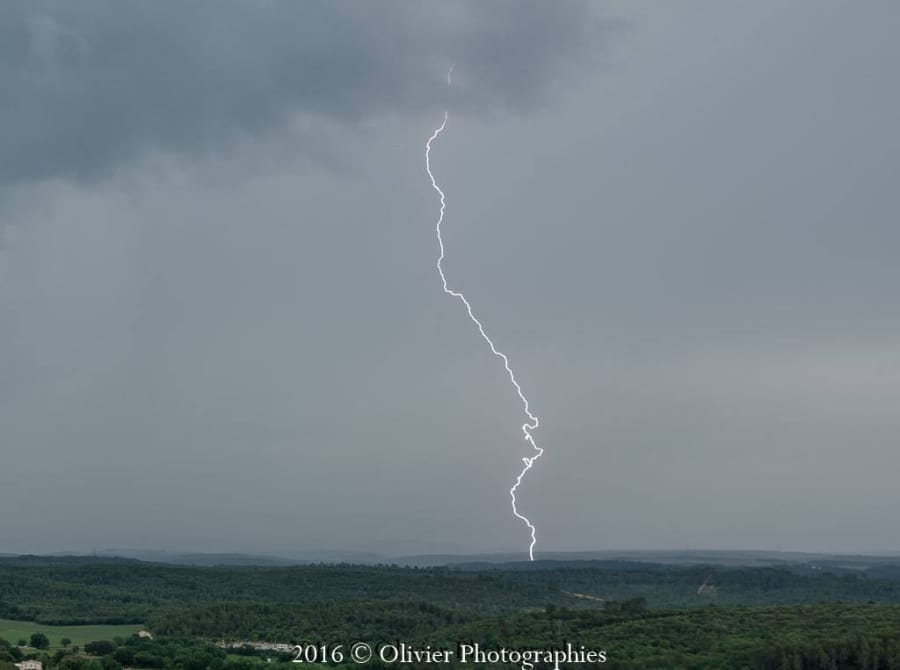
(644, 616)
(81, 591)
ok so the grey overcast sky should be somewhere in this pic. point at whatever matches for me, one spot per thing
(221, 328)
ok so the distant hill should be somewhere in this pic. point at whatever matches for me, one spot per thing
(30, 560)
(241, 559)
(197, 558)
(736, 558)
(512, 561)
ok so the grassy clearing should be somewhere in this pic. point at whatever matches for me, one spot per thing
(13, 631)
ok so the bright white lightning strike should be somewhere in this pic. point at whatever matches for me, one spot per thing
(533, 421)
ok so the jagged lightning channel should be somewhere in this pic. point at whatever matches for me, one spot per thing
(533, 421)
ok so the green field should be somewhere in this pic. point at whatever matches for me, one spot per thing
(13, 631)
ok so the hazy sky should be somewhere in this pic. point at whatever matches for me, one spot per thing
(221, 327)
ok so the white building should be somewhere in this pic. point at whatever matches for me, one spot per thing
(30, 665)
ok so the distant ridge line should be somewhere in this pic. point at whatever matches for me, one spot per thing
(463, 561)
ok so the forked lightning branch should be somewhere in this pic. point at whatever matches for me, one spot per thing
(532, 423)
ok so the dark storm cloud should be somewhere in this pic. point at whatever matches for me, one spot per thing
(90, 85)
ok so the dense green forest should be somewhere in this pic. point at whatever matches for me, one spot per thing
(643, 616)
(810, 637)
(73, 591)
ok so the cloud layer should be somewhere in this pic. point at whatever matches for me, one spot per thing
(92, 85)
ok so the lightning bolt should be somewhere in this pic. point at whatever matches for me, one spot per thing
(533, 421)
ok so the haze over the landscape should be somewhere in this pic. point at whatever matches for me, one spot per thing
(221, 328)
